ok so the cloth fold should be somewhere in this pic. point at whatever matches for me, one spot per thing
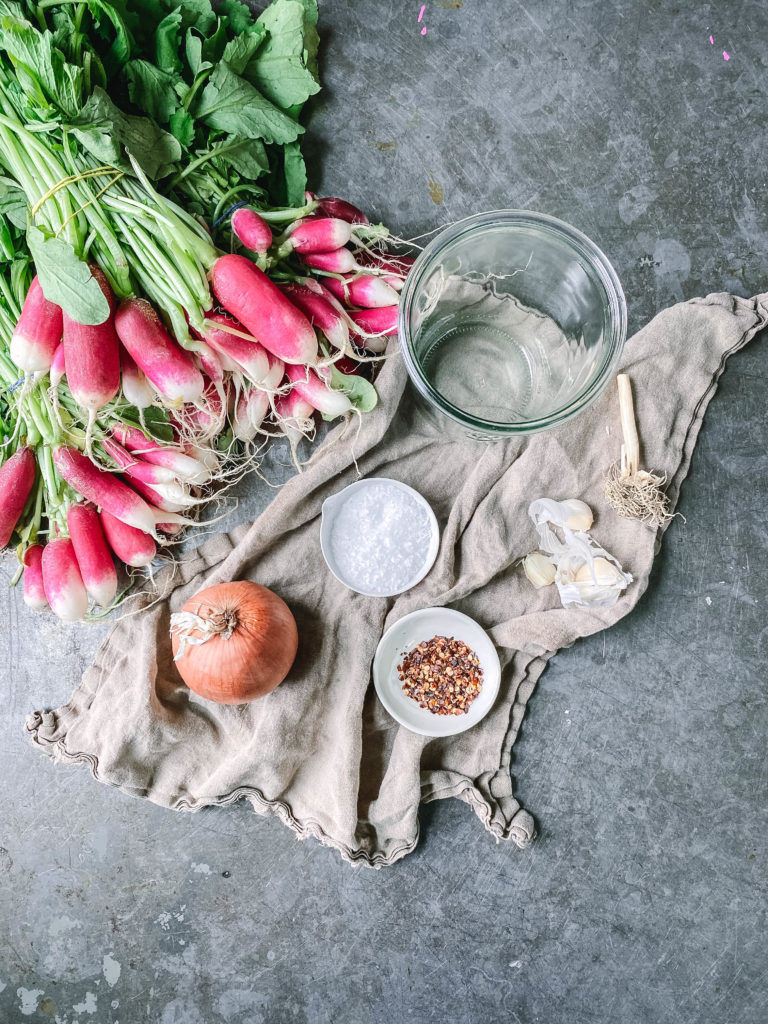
(321, 752)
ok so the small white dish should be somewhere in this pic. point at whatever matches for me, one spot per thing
(333, 505)
(402, 637)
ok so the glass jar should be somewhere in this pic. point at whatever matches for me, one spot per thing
(511, 322)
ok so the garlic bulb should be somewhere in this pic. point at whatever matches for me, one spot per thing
(585, 573)
(539, 569)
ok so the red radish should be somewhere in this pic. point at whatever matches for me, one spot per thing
(332, 300)
(161, 481)
(320, 234)
(93, 558)
(276, 373)
(135, 440)
(17, 476)
(92, 355)
(222, 320)
(247, 293)
(173, 495)
(118, 454)
(320, 312)
(172, 529)
(251, 229)
(34, 592)
(164, 363)
(208, 417)
(180, 496)
(341, 261)
(364, 290)
(339, 288)
(253, 403)
(137, 468)
(207, 456)
(294, 417)
(160, 501)
(104, 490)
(184, 466)
(252, 407)
(210, 363)
(131, 546)
(380, 320)
(294, 412)
(37, 333)
(330, 206)
(391, 269)
(249, 356)
(371, 292)
(62, 582)
(376, 325)
(58, 368)
(136, 388)
(307, 385)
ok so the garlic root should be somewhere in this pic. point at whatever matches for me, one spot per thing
(630, 491)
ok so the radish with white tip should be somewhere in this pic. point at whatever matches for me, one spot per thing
(34, 591)
(162, 361)
(132, 546)
(62, 582)
(136, 388)
(37, 333)
(184, 466)
(315, 392)
(17, 477)
(97, 569)
(92, 356)
(249, 295)
(251, 229)
(107, 492)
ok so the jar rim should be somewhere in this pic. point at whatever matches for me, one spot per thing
(585, 248)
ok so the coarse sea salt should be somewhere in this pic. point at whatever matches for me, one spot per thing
(380, 538)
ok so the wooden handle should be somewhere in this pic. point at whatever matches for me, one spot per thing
(630, 455)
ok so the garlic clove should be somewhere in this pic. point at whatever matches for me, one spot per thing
(579, 515)
(606, 574)
(539, 569)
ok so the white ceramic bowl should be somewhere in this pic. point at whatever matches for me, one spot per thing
(333, 505)
(402, 637)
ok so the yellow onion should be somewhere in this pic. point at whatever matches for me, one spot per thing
(234, 642)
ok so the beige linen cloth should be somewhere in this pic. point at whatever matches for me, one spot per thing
(321, 752)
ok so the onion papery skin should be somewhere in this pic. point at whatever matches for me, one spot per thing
(251, 662)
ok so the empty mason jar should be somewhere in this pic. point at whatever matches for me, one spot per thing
(511, 322)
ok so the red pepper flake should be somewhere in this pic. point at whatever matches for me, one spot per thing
(442, 675)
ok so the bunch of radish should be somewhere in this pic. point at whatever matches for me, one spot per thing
(342, 280)
(117, 432)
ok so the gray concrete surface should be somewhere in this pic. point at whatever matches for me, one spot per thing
(643, 752)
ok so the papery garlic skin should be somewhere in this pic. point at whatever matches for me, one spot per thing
(576, 584)
(539, 569)
(586, 574)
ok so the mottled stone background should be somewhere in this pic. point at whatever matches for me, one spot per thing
(643, 752)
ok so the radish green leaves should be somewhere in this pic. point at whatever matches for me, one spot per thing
(217, 86)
